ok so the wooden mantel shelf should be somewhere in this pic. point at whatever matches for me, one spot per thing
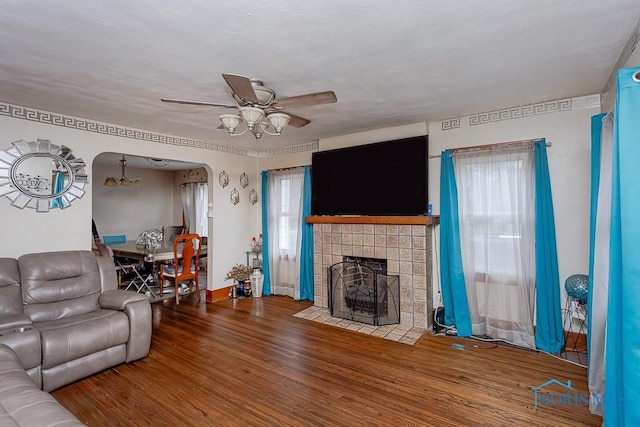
(401, 220)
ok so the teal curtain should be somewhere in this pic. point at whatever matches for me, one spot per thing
(549, 333)
(622, 376)
(306, 252)
(58, 185)
(596, 133)
(454, 294)
(266, 286)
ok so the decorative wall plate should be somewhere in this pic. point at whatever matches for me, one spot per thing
(223, 179)
(234, 197)
(244, 180)
(253, 197)
(41, 175)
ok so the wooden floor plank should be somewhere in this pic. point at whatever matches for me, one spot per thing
(250, 362)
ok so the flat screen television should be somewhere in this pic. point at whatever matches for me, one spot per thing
(385, 178)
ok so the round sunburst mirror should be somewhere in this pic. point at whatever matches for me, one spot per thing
(41, 175)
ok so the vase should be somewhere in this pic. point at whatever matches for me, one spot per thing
(240, 288)
(257, 279)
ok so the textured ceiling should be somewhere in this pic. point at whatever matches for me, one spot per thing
(389, 63)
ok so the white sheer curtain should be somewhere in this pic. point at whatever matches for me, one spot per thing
(496, 196)
(284, 204)
(195, 202)
(601, 268)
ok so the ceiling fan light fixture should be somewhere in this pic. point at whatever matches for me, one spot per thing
(251, 116)
(278, 121)
(259, 110)
(230, 122)
(264, 95)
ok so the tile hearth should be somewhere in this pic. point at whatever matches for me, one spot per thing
(407, 249)
(403, 334)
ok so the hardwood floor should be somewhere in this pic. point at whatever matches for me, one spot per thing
(250, 362)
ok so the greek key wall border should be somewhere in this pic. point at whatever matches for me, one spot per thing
(451, 124)
(292, 149)
(520, 112)
(19, 112)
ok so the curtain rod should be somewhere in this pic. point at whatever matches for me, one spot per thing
(286, 169)
(496, 145)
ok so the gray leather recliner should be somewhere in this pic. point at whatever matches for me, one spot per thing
(22, 403)
(62, 315)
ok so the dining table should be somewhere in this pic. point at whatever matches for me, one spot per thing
(131, 250)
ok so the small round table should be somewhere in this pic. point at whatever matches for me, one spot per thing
(575, 318)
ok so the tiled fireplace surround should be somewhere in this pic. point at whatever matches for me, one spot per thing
(406, 247)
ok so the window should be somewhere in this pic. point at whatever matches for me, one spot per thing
(496, 198)
(495, 214)
(284, 206)
(195, 203)
(289, 197)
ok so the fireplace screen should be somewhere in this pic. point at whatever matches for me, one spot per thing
(360, 290)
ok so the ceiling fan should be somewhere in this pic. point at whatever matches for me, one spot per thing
(258, 107)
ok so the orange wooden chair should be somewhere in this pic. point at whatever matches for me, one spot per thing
(184, 267)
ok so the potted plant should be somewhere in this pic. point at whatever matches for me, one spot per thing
(240, 273)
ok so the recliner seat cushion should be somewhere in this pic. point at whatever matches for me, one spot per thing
(22, 403)
(56, 285)
(68, 339)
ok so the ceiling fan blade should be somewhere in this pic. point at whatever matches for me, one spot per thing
(241, 86)
(297, 121)
(210, 104)
(327, 97)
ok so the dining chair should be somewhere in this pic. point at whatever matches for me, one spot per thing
(104, 250)
(170, 232)
(123, 265)
(118, 238)
(184, 267)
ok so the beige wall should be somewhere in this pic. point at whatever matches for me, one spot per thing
(233, 226)
(373, 136)
(277, 162)
(569, 168)
(284, 161)
(569, 163)
(25, 231)
(132, 210)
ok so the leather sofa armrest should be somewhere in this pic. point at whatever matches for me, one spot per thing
(12, 321)
(118, 300)
(108, 279)
(22, 403)
(140, 332)
(7, 354)
(138, 309)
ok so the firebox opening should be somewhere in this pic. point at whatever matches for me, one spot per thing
(361, 290)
